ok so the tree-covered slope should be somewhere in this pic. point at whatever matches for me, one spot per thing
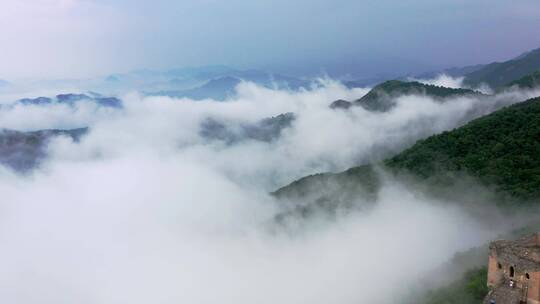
(471, 288)
(22, 151)
(381, 97)
(530, 81)
(500, 150)
(330, 192)
(498, 74)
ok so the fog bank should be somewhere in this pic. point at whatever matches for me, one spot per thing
(145, 209)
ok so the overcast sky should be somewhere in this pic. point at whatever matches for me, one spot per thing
(80, 38)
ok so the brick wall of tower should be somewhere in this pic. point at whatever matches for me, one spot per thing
(494, 274)
(533, 294)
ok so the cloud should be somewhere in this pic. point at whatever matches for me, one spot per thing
(76, 238)
(443, 80)
(144, 209)
(47, 38)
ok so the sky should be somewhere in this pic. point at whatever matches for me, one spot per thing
(85, 38)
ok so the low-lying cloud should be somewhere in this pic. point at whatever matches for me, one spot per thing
(444, 80)
(147, 210)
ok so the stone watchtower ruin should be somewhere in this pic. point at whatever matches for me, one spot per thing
(514, 271)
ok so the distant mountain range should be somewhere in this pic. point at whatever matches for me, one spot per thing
(219, 81)
(71, 99)
(453, 72)
(498, 74)
(190, 81)
(217, 89)
(224, 85)
(204, 72)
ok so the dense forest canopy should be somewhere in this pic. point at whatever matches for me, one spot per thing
(501, 149)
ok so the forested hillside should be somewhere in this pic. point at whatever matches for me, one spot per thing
(498, 74)
(381, 97)
(500, 150)
(527, 82)
(23, 151)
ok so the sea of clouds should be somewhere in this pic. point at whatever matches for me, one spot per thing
(144, 209)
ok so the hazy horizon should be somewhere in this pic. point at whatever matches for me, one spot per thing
(87, 38)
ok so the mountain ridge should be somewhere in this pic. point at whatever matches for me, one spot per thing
(498, 74)
(500, 150)
(381, 98)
